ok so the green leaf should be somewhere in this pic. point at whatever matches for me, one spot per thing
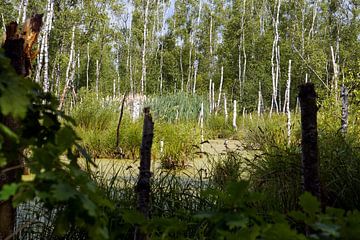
(14, 94)
(89, 205)
(8, 190)
(63, 192)
(309, 204)
(9, 133)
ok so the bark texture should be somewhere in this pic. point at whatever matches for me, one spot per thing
(143, 184)
(309, 142)
(18, 47)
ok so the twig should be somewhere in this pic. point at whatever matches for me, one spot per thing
(120, 119)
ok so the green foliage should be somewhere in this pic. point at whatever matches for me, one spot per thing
(217, 127)
(59, 183)
(180, 142)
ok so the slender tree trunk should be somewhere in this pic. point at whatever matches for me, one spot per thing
(24, 11)
(201, 118)
(48, 27)
(243, 46)
(68, 69)
(181, 69)
(311, 31)
(213, 96)
(234, 116)
(275, 69)
(143, 55)
(309, 142)
(220, 88)
(119, 122)
(225, 109)
(190, 64)
(40, 60)
(3, 23)
(260, 109)
(195, 76)
(210, 96)
(97, 79)
(21, 7)
(287, 104)
(335, 74)
(344, 109)
(161, 68)
(210, 70)
(87, 66)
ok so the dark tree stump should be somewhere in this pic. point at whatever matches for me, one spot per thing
(143, 184)
(18, 48)
(309, 141)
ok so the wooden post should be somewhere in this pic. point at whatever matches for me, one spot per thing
(344, 108)
(309, 143)
(143, 184)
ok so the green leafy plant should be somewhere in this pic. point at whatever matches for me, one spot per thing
(48, 138)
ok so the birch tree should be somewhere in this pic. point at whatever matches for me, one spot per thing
(143, 54)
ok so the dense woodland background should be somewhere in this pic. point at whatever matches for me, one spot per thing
(184, 59)
(156, 47)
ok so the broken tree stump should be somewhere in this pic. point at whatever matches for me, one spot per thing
(309, 140)
(143, 184)
(18, 48)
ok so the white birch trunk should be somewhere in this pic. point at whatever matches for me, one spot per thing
(87, 66)
(210, 96)
(311, 31)
(48, 26)
(220, 88)
(20, 11)
(97, 79)
(335, 73)
(243, 45)
(234, 116)
(3, 23)
(260, 102)
(275, 69)
(25, 4)
(195, 76)
(161, 68)
(117, 75)
(287, 97)
(40, 59)
(190, 65)
(68, 69)
(225, 109)
(213, 96)
(181, 69)
(143, 55)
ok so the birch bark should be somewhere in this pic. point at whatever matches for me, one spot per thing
(143, 55)
(68, 69)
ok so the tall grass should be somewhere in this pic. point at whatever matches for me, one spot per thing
(177, 107)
